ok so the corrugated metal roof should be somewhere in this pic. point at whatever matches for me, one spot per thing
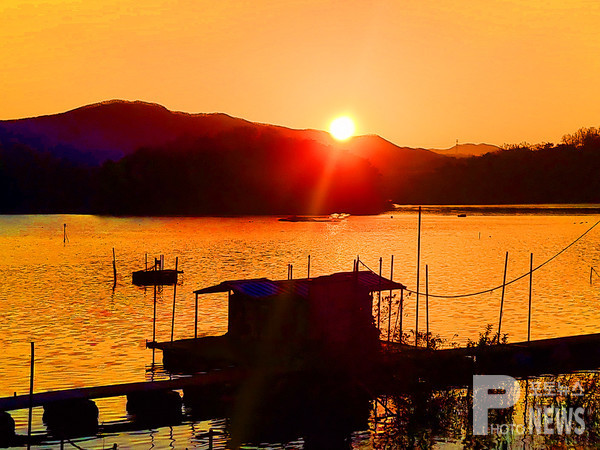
(263, 287)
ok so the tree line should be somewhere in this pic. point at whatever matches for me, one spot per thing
(249, 171)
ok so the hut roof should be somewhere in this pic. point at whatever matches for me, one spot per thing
(263, 287)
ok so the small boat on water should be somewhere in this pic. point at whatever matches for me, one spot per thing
(150, 277)
(335, 217)
(156, 275)
(295, 218)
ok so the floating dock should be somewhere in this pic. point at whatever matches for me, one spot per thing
(220, 377)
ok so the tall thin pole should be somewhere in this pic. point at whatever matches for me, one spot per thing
(174, 296)
(530, 284)
(31, 367)
(114, 269)
(427, 301)
(196, 319)
(154, 317)
(379, 294)
(418, 267)
(390, 300)
(308, 271)
(401, 311)
(64, 234)
(502, 301)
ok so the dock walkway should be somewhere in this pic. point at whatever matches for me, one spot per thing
(115, 390)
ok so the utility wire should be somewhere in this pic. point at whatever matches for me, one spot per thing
(509, 282)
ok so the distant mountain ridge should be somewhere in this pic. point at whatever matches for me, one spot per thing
(467, 150)
(137, 158)
(109, 130)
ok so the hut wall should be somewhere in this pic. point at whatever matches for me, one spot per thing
(340, 313)
(274, 318)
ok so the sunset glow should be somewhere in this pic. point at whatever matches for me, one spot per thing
(423, 74)
(342, 128)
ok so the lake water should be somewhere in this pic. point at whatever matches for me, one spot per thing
(60, 295)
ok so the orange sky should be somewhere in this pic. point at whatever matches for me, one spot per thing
(417, 72)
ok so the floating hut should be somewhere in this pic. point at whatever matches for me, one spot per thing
(294, 322)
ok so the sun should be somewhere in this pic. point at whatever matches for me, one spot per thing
(342, 128)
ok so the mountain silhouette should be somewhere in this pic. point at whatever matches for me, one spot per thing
(467, 150)
(109, 130)
(137, 158)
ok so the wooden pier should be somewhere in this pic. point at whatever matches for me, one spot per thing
(220, 377)
(456, 366)
(546, 356)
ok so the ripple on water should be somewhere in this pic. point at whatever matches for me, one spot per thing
(62, 298)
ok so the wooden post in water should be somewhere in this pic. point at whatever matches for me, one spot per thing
(114, 269)
(427, 301)
(401, 311)
(308, 271)
(530, 284)
(174, 296)
(196, 319)
(418, 267)
(379, 294)
(154, 317)
(31, 367)
(502, 300)
(146, 261)
(390, 300)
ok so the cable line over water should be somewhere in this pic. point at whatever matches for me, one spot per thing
(509, 282)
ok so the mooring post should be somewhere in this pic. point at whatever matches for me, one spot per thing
(114, 269)
(196, 319)
(308, 270)
(210, 439)
(401, 311)
(64, 234)
(154, 317)
(530, 284)
(390, 300)
(174, 296)
(31, 372)
(418, 267)
(379, 294)
(146, 261)
(502, 300)
(427, 301)
(154, 327)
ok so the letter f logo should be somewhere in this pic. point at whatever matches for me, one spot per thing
(483, 400)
